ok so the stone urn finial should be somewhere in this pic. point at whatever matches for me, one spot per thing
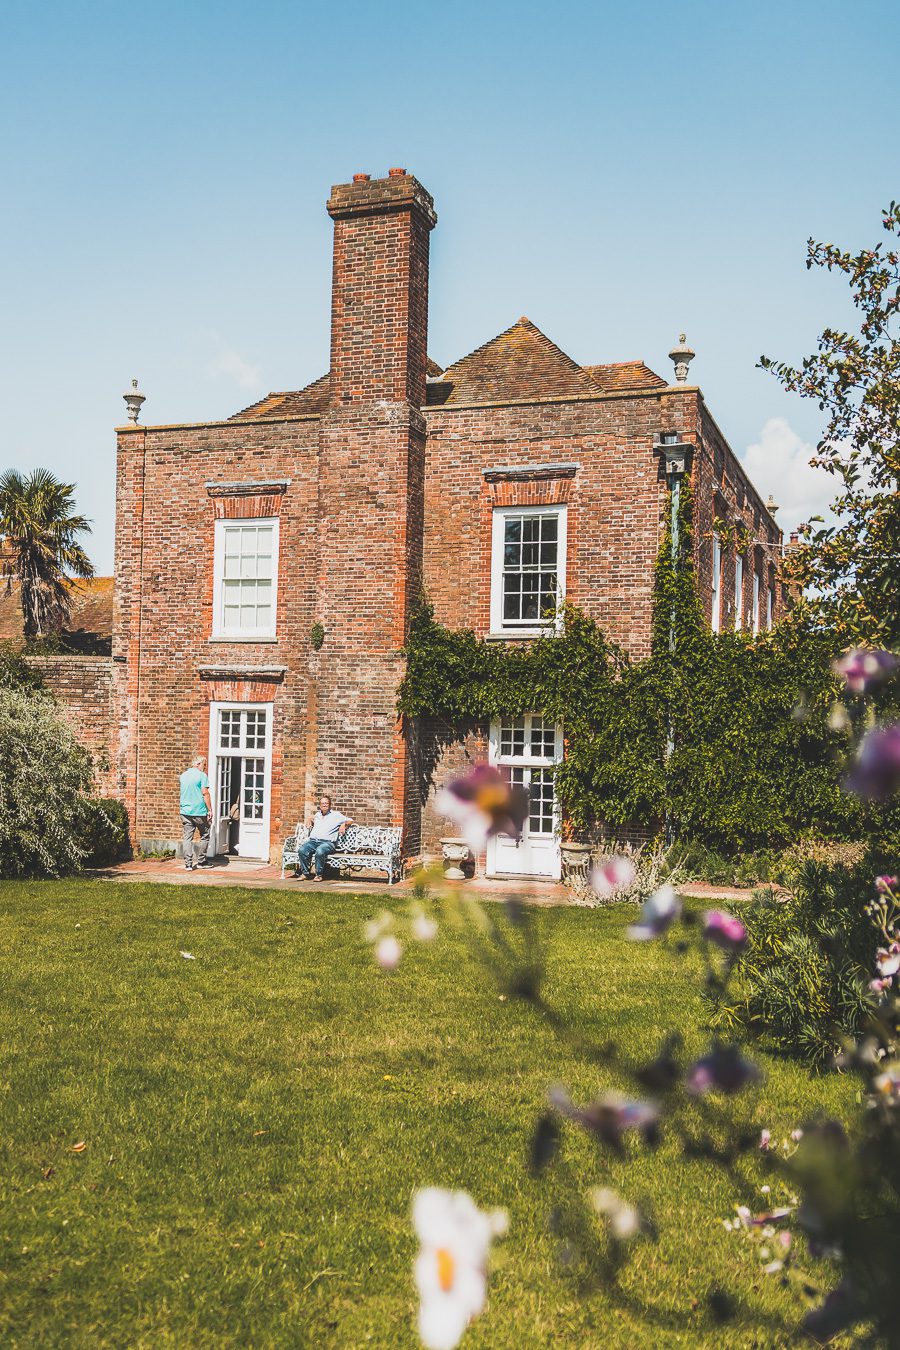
(133, 400)
(771, 505)
(682, 356)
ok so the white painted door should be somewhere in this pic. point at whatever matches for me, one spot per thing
(528, 748)
(241, 740)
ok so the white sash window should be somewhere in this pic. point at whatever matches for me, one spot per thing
(245, 579)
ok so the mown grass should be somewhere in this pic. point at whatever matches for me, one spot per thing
(256, 1120)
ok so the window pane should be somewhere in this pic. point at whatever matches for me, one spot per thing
(513, 529)
(549, 526)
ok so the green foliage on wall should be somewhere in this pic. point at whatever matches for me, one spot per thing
(725, 735)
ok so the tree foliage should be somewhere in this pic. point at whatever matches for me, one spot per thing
(852, 567)
(41, 551)
(45, 786)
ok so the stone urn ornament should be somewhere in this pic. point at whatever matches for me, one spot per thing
(576, 857)
(456, 852)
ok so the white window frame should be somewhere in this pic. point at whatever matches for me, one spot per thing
(218, 629)
(716, 584)
(770, 606)
(499, 628)
(738, 591)
(757, 581)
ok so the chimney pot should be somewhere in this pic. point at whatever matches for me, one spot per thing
(361, 178)
(396, 173)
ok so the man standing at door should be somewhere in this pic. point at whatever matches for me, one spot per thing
(325, 829)
(196, 811)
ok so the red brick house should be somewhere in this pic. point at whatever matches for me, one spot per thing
(500, 482)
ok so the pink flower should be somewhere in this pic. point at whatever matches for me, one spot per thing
(483, 804)
(876, 772)
(609, 1116)
(862, 670)
(884, 885)
(765, 1140)
(612, 874)
(724, 930)
(657, 915)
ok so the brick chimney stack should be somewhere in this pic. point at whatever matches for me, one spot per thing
(371, 497)
(379, 299)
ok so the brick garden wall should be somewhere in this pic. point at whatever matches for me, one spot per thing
(83, 686)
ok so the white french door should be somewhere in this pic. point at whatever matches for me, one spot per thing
(528, 749)
(240, 737)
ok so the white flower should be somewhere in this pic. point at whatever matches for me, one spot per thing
(424, 929)
(388, 952)
(658, 913)
(623, 1219)
(451, 1268)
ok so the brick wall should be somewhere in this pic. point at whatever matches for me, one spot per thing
(83, 686)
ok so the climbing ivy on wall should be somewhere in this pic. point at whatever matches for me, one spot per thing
(724, 735)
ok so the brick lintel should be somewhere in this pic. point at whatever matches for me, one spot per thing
(248, 489)
(494, 475)
(265, 674)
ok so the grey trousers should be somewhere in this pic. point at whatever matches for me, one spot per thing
(202, 824)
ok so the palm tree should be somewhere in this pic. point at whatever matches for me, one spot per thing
(40, 549)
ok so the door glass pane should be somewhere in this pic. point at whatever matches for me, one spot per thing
(512, 738)
(254, 787)
(540, 820)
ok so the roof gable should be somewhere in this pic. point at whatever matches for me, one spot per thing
(521, 363)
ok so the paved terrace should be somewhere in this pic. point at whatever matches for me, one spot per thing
(267, 876)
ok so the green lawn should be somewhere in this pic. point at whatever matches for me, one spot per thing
(256, 1120)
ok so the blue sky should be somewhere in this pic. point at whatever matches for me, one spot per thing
(616, 172)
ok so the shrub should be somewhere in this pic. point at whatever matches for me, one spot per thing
(15, 671)
(45, 784)
(808, 960)
(105, 832)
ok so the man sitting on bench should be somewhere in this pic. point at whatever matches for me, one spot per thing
(325, 829)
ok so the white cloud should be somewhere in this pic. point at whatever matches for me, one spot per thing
(233, 366)
(778, 463)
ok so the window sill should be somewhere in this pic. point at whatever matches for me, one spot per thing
(513, 634)
(260, 640)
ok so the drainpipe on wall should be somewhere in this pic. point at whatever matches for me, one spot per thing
(676, 456)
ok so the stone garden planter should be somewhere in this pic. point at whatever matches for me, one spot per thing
(576, 858)
(456, 852)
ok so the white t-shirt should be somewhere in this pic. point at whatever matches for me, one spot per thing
(327, 827)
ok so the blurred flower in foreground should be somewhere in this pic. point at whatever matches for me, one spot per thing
(724, 1069)
(624, 1220)
(876, 772)
(610, 1116)
(424, 929)
(887, 1083)
(658, 913)
(612, 874)
(862, 670)
(724, 930)
(451, 1268)
(388, 951)
(483, 804)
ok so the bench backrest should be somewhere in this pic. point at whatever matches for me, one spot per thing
(381, 839)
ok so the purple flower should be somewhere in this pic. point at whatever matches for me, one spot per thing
(876, 773)
(724, 1069)
(658, 913)
(724, 930)
(609, 1116)
(862, 670)
(483, 804)
(884, 885)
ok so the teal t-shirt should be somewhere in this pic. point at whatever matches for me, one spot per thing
(193, 781)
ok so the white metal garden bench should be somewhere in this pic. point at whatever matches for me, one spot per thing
(362, 847)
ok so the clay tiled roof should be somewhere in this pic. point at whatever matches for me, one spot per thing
(302, 403)
(90, 620)
(521, 363)
(623, 375)
(311, 401)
